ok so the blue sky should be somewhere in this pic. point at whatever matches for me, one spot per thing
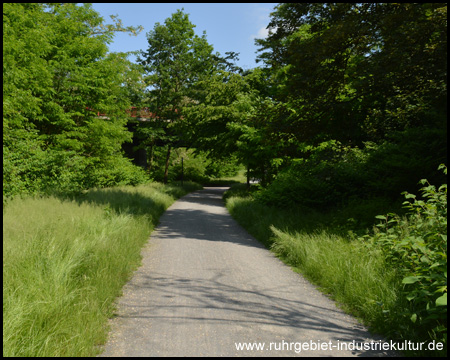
(228, 26)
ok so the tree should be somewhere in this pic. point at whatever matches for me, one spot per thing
(174, 62)
(232, 120)
(56, 71)
(346, 77)
(357, 71)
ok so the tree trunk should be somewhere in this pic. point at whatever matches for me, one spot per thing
(166, 171)
(150, 162)
(248, 175)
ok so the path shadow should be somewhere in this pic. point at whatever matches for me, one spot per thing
(210, 299)
(179, 300)
(210, 221)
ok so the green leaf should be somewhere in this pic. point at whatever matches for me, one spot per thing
(410, 196)
(414, 318)
(423, 181)
(442, 300)
(410, 279)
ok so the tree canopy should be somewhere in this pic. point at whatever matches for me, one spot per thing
(335, 79)
(57, 76)
(180, 70)
(357, 71)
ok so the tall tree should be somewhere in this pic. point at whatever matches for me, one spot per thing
(366, 75)
(56, 71)
(357, 71)
(175, 60)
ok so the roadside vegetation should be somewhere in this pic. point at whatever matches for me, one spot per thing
(65, 262)
(347, 111)
(391, 275)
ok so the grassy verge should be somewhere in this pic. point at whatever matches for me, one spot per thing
(313, 244)
(325, 248)
(65, 262)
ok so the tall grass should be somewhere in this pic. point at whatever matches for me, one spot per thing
(65, 262)
(360, 281)
(324, 248)
(315, 245)
(393, 278)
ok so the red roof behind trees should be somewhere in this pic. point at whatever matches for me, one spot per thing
(140, 112)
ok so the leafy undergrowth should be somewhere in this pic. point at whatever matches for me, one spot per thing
(394, 278)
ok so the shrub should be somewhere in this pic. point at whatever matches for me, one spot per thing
(291, 187)
(115, 172)
(29, 168)
(197, 167)
(24, 164)
(222, 168)
(329, 177)
(406, 157)
(417, 246)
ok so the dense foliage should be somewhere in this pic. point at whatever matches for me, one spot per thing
(354, 73)
(367, 82)
(349, 106)
(416, 245)
(57, 74)
(357, 71)
(177, 68)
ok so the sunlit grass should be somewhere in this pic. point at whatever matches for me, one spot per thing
(358, 280)
(316, 245)
(66, 261)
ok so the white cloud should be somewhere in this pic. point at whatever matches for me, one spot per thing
(260, 15)
(262, 33)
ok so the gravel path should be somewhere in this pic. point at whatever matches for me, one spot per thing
(205, 285)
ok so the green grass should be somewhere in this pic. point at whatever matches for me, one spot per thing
(356, 279)
(326, 249)
(66, 261)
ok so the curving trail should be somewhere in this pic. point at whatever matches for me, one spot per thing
(205, 284)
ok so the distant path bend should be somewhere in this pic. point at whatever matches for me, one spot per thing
(205, 284)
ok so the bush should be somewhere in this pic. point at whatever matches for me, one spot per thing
(406, 157)
(332, 174)
(416, 245)
(291, 187)
(24, 164)
(115, 172)
(222, 168)
(193, 169)
(29, 168)
(328, 178)
(197, 167)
